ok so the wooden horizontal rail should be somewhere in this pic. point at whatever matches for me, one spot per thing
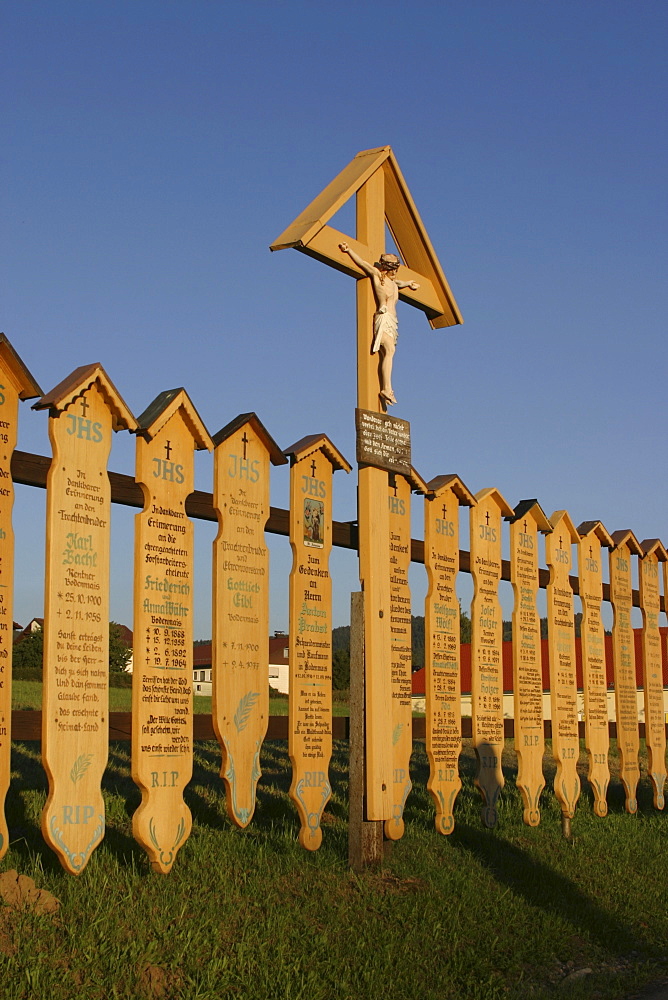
(32, 470)
(27, 725)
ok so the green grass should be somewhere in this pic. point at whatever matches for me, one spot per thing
(28, 695)
(480, 915)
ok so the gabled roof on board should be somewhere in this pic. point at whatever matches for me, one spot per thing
(24, 383)
(276, 456)
(587, 527)
(317, 442)
(534, 508)
(502, 503)
(163, 407)
(64, 394)
(626, 536)
(310, 233)
(439, 484)
(654, 545)
(415, 481)
(561, 519)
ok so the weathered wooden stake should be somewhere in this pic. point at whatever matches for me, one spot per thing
(365, 837)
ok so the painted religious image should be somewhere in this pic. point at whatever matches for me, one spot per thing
(386, 287)
(314, 519)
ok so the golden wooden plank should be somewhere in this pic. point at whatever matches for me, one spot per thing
(624, 660)
(377, 166)
(486, 647)
(162, 705)
(652, 666)
(334, 196)
(325, 248)
(399, 504)
(75, 698)
(413, 243)
(527, 521)
(590, 561)
(561, 645)
(15, 383)
(240, 622)
(443, 717)
(310, 596)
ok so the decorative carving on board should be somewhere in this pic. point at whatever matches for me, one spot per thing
(243, 455)
(442, 644)
(486, 647)
(313, 461)
(169, 432)
(525, 524)
(592, 536)
(84, 411)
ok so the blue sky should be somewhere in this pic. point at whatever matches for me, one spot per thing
(154, 150)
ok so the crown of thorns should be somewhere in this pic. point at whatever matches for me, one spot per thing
(388, 262)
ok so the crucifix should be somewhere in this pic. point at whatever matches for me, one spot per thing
(168, 448)
(245, 439)
(382, 198)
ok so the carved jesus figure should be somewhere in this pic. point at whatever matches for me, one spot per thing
(385, 331)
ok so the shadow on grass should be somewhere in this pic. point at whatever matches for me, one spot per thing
(544, 888)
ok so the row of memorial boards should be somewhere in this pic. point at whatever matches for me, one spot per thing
(84, 411)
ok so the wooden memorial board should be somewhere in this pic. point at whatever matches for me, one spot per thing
(84, 410)
(592, 536)
(313, 461)
(162, 705)
(624, 660)
(561, 647)
(242, 459)
(16, 383)
(399, 503)
(383, 441)
(486, 647)
(442, 644)
(527, 520)
(652, 665)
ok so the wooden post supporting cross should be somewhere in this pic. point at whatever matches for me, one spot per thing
(381, 197)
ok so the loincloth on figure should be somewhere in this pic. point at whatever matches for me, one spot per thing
(384, 324)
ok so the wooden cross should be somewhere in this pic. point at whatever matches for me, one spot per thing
(245, 441)
(313, 468)
(84, 405)
(168, 449)
(382, 197)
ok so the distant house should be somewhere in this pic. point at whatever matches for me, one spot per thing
(418, 678)
(202, 669)
(34, 625)
(278, 665)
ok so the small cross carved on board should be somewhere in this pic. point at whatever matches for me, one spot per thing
(168, 449)
(486, 517)
(313, 468)
(245, 441)
(84, 405)
(445, 510)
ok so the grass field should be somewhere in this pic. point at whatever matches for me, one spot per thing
(481, 915)
(28, 694)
